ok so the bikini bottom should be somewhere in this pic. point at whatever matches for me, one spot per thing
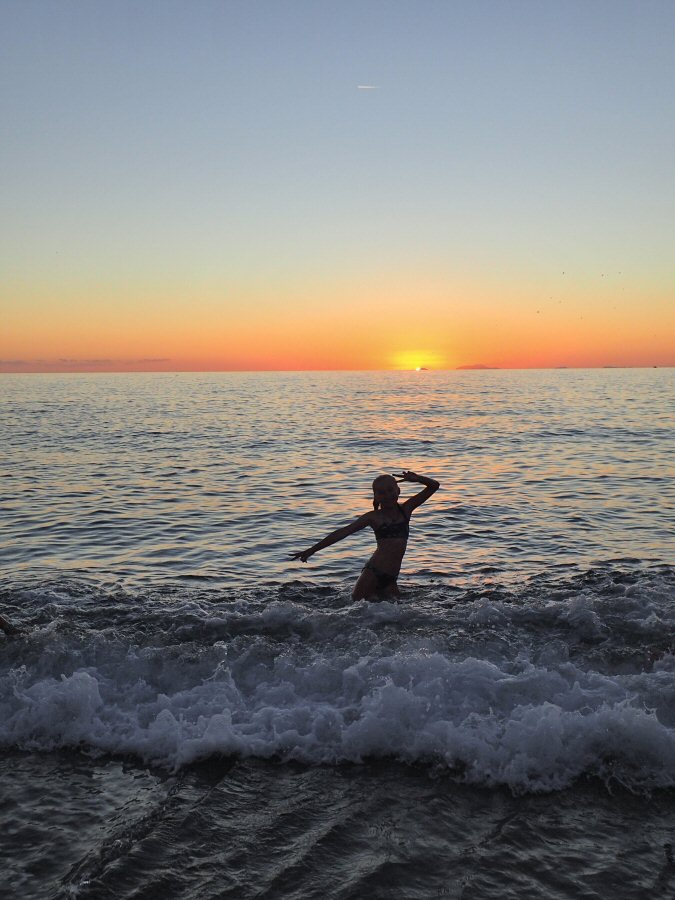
(383, 579)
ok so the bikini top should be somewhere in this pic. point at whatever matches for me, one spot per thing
(394, 529)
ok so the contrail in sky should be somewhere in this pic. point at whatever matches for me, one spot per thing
(367, 87)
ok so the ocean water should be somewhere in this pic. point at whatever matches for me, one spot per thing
(188, 713)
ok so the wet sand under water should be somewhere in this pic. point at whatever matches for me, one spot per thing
(250, 828)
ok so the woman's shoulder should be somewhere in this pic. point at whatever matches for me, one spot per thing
(407, 507)
(368, 518)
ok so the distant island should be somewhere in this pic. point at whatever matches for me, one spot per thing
(477, 366)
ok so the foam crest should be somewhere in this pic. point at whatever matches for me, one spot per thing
(530, 687)
(529, 725)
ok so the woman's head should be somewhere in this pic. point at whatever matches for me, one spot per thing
(385, 491)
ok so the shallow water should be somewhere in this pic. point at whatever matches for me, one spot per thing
(254, 829)
(189, 713)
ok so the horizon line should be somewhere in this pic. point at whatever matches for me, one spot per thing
(463, 368)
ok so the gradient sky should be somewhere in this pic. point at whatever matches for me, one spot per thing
(208, 185)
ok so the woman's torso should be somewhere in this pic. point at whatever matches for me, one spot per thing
(391, 529)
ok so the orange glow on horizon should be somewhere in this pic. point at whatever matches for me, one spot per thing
(408, 323)
(418, 359)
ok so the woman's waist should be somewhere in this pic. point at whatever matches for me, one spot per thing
(388, 559)
(392, 545)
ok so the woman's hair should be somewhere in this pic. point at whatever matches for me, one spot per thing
(377, 480)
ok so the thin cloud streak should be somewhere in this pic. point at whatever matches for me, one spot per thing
(62, 361)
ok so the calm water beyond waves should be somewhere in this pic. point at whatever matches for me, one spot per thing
(219, 477)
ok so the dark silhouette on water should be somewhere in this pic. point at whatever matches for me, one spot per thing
(391, 523)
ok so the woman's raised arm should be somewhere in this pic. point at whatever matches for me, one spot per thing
(430, 487)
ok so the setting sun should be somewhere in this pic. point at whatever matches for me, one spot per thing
(417, 360)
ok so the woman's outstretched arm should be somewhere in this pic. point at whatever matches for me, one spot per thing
(334, 537)
(430, 487)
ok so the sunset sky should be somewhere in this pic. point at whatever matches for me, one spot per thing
(332, 184)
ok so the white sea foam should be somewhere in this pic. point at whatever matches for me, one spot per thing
(531, 690)
(529, 725)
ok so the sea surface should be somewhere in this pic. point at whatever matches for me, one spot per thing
(188, 713)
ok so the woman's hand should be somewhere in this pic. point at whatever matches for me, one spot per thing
(408, 476)
(303, 556)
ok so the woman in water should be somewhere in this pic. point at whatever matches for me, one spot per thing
(390, 520)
